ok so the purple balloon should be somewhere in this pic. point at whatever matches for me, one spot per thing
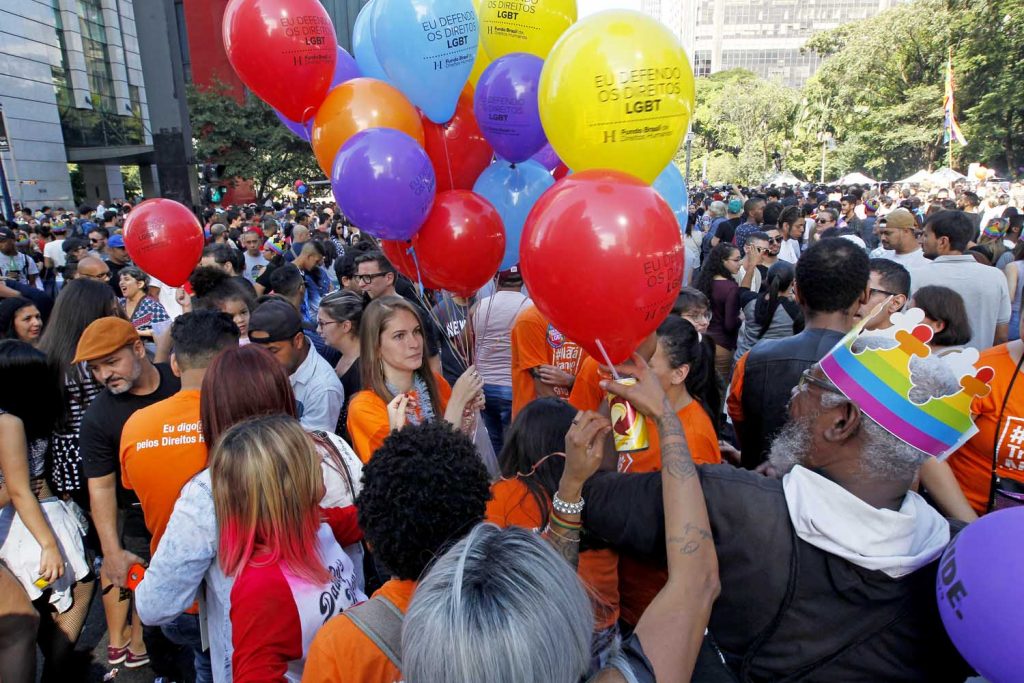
(506, 106)
(983, 623)
(547, 157)
(304, 131)
(384, 183)
(345, 69)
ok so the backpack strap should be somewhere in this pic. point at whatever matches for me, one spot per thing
(381, 622)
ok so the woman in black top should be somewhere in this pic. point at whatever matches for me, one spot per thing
(338, 323)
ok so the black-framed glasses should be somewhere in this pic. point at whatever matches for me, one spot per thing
(823, 221)
(369, 277)
(807, 378)
(775, 240)
(875, 290)
(320, 324)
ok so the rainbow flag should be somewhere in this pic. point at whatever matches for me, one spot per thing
(950, 127)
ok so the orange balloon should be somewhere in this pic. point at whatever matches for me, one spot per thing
(354, 106)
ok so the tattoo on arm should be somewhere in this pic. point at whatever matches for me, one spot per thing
(689, 541)
(566, 542)
(675, 453)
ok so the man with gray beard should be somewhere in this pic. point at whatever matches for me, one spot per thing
(828, 571)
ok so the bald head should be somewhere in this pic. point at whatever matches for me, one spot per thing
(92, 268)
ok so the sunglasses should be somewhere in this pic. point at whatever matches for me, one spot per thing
(823, 221)
(775, 240)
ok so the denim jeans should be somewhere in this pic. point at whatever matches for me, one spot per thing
(184, 631)
(497, 414)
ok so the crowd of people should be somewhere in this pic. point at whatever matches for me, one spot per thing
(303, 465)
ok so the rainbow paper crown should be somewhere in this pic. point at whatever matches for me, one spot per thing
(892, 375)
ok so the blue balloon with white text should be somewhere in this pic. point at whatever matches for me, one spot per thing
(427, 49)
(513, 189)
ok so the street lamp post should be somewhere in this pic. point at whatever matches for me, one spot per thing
(824, 138)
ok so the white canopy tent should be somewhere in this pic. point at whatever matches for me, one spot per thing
(855, 179)
(919, 177)
(783, 178)
(946, 176)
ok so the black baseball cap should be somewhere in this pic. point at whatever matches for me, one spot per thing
(6, 233)
(274, 321)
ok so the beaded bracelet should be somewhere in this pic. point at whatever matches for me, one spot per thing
(567, 508)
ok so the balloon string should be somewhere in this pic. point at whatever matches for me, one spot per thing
(447, 158)
(604, 354)
(533, 470)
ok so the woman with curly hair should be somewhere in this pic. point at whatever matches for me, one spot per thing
(717, 283)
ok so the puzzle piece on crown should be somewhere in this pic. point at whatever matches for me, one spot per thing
(977, 386)
(915, 342)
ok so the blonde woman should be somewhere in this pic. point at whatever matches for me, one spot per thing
(284, 550)
(398, 386)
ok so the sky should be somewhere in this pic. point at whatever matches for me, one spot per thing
(588, 7)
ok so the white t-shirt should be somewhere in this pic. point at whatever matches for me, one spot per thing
(55, 252)
(915, 259)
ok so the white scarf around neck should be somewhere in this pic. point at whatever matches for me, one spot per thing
(896, 542)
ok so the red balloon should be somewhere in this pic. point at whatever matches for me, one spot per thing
(400, 255)
(462, 242)
(283, 50)
(602, 257)
(457, 149)
(164, 239)
(560, 171)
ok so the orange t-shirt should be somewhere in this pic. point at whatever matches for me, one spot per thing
(639, 581)
(368, 423)
(587, 393)
(162, 448)
(700, 439)
(734, 403)
(972, 462)
(512, 504)
(534, 343)
(342, 652)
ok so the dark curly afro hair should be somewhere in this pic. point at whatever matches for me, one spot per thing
(423, 490)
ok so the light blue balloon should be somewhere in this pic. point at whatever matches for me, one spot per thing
(672, 188)
(513, 189)
(427, 48)
(362, 45)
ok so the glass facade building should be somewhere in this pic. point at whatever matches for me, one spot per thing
(764, 36)
(72, 90)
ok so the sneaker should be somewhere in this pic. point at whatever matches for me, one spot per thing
(134, 661)
(116, 655)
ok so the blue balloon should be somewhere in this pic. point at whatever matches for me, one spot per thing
(672, 188)
(362, 45)
(302, 130)
(427, 49)
(513, 189)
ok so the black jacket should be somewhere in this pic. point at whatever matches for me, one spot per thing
(773, 368)
(787, 611)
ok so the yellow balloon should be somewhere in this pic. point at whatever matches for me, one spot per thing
(531, 26)
(617, 92)
(481, 63)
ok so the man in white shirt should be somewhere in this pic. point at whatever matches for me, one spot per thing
(983, 288)
(899, 240)
(319, 395)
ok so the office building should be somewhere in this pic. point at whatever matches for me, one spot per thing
(73, 77)
(765, 36)
(679, 16)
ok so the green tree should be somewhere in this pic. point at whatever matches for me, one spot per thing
(740, 123)
(988, 59)
(879, 90)
(249, 141)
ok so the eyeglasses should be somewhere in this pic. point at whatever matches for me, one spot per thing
(320, 324)
(761, 250)
(807, 378)
(93, 240)
(102, 277)
(705, 316)
(823, 221)
(874, 291)
(775, 240)
(369, 277)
